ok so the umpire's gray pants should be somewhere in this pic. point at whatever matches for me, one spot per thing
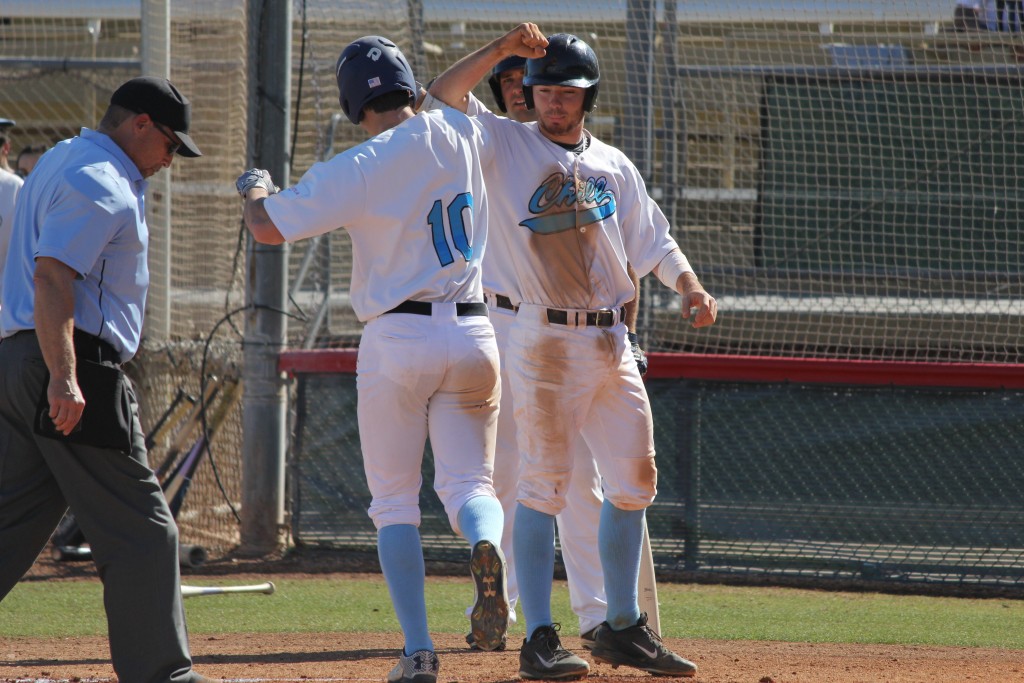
(122, 511)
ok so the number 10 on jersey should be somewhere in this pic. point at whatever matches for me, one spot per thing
(456, 225)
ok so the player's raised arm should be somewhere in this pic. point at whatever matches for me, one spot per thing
(254, 186)
(453, 86)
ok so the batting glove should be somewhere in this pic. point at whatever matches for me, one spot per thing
(638, 354)
(255, 177)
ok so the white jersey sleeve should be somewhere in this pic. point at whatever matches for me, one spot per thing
(414, 203)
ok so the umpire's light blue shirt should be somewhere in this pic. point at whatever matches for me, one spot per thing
(83, 205)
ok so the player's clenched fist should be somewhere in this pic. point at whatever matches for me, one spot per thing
(255, 177)
(525, 40)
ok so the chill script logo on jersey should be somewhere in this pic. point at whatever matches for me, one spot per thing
(559, 191)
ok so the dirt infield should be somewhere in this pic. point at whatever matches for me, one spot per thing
(369, 657)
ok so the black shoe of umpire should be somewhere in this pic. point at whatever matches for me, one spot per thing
(641, 648)
(543, 658)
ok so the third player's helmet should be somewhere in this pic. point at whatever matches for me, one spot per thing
(368, 68)
(568, 62)
(507, 64)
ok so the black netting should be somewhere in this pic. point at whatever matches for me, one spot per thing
(891, 484)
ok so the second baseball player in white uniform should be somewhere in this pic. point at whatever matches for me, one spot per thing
(580, 211)
(413, 200)
(578, 521)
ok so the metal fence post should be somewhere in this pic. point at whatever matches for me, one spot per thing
(264, 421)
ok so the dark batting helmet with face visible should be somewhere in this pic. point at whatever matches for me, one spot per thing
(568, 62)
(368, 68)
(507, 64)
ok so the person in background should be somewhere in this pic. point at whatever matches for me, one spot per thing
(27, 159)
(10, 184)
(5, 144)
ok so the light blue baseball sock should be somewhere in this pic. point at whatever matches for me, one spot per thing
(401, 560)
(533, 537)
(482, 519)
(619, 540)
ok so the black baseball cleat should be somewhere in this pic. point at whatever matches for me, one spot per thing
(543, 658)
(488, 619)
(471, 641)
(641, 648)
(587, 638)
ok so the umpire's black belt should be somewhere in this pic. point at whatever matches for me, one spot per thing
(87, 347)
(604, 318)
(427, 308)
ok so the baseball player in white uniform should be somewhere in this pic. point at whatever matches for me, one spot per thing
(578, 521)
(412, 198)
(579, 212)
(10, 184)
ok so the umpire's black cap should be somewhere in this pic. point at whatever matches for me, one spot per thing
(164, 104)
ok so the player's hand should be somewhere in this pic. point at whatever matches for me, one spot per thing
(699, 307)
(638, 354)
(525, 40)
(255, 177)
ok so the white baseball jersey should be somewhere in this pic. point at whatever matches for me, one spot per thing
(426, 247)
(414, 203)
(571, 221)
(9, 186)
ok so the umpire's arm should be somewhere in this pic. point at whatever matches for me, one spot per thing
(54, 317)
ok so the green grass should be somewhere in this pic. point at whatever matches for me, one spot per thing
(343, 604)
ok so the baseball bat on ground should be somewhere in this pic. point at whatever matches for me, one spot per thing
(647, 586)
(189, 555)
(266, 588)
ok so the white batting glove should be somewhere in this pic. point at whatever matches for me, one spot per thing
(255, 177)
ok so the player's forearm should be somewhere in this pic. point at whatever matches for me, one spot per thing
(671, 268)
(453, 86)
(633, 305)
(258, 220)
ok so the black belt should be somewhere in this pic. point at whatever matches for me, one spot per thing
(87, 347)
(427, 308)
(91, 347)
(594, 318)
(502, 301)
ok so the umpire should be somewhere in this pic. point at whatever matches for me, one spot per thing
(73, 298)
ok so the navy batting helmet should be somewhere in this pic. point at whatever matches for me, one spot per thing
(368, 68)
(507, 64)
(568, 62)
